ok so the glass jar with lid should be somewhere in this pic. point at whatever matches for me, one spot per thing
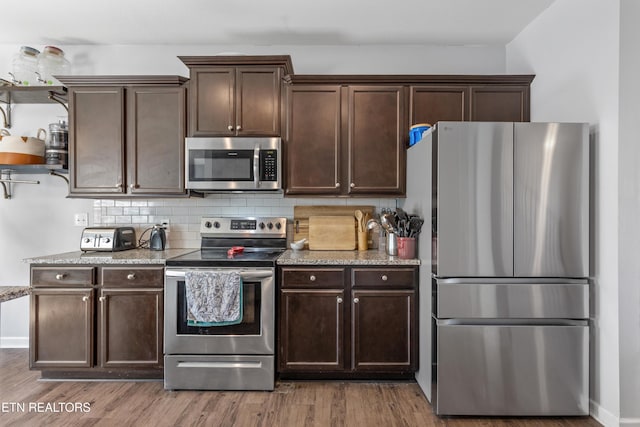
(25, 66)
(51, 62)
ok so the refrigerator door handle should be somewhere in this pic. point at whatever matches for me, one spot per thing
(512, 322)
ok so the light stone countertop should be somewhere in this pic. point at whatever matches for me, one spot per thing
(370, 257)
(7, 293)
(133, 256)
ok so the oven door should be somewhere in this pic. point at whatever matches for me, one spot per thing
(254, 335)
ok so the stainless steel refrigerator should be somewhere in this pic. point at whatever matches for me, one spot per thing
(504, 319)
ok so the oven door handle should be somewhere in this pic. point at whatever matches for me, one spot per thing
(246, 275)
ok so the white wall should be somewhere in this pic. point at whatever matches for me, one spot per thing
(39, 220)
(573, 48)
(629, 182)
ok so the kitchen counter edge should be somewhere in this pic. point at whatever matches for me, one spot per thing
(371, 257)
(133, 256)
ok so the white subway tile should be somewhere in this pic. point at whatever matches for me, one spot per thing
(147, 211)
(123, 219)
(108, 202)
(123, 203)
(139, 203)
(114, 211)
(131, 211)
(139, 219)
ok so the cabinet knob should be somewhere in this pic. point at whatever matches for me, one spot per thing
(131, 276)
(352, 185)
(356, 300)
(238, 127)
(119, 185)
(102, 299)
(384, 278)
(337, 184)
(339, 300)
(60, 276)
(230, 127)
(133, 186)
(312, 278)
(85, 298)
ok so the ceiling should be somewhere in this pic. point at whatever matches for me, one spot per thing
(274, 22)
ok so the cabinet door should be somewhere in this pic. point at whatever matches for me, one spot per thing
(257, 101)
(313, 140)
(130, 327)
(499, 103)
(384, 331)
(431, 104)
(61, 328)
(376, 130)
(155, 140)
(212, 102)
(96, 140)
(311, 330)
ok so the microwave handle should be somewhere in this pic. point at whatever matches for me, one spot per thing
(256, 166)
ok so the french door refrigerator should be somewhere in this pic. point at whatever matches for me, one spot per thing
(510, 261)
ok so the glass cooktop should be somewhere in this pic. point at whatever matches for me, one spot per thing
(211, 257)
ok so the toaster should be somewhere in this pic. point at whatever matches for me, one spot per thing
(108, 239)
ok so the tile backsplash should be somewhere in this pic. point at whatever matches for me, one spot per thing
(184, 214)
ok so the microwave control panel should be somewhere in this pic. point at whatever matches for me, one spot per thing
(269, 165)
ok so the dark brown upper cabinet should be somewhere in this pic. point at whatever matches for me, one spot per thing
(499, 103)
(236, 95)
(126, 135)
(345, 139)
(433, 103)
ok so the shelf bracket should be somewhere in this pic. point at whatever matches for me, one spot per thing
(54, 173)
(6, 116)
(5, 178)
(54, 96)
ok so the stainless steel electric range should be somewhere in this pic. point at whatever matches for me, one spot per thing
(230, 357)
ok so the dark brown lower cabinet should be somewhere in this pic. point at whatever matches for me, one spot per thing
(364, 326)
(97, 320)
(61, 328)
(130, 327)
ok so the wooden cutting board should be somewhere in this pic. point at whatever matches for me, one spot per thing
(336, 232)
(301, 215)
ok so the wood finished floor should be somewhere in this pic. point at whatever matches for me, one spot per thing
(292, 404)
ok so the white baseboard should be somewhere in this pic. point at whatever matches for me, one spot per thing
(630, 422)
(14, 342)
(603, 416)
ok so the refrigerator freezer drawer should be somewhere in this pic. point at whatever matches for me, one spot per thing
(512, 300)
(512, 370)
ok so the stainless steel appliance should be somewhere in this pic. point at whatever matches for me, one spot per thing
(234, 357)
(233, 164)
(109, 239)
(158, 238)
(509, 253)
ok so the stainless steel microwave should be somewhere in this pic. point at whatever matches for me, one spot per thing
(233, 164)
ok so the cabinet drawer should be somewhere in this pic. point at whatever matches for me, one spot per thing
(306, 277)
(394, 277)
(62, 276)
(129, 277)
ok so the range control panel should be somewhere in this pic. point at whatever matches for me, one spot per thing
(275, 227)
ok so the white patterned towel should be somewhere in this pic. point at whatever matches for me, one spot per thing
(213, 298)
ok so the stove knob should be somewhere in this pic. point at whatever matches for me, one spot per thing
(106, 240)
(270, 226)
(208, 224)
(278, 225)
(261, 225)
(216, 224)
(87, 240)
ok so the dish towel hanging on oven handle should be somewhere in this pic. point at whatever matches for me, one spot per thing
(213, 298)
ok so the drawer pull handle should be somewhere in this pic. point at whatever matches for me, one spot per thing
(85, 298)
(102, 299)
(353, 185)
(384, 278)
(238, 127)
(60, 276)
(230, 127)
(337, 184)
(131, 276)
(339, 300)
(312, 278)
(356, 300)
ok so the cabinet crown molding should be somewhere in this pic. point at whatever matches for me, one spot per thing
(123, 80)
(240, 60)
(410, 79)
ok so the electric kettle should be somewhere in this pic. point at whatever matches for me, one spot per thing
(158, 238)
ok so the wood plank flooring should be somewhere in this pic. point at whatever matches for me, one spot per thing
(292, 404)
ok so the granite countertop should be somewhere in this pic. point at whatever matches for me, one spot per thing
(133, 256)
(8, 293)
(371, 257)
